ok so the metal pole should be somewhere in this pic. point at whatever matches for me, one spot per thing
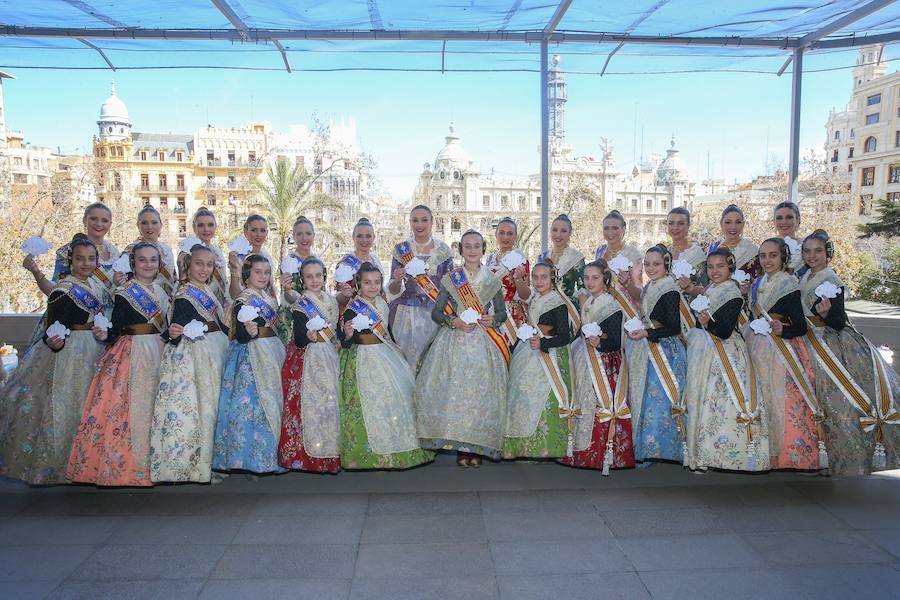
(796, 85)
(545, 148)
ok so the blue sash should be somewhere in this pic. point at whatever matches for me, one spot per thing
(203, 299)
(754, 289)
(351, 261)
(600, 252)
(309, 308)
(265, 311)
(144, 302)
(361, 307)
(403, 249)
(84, 299)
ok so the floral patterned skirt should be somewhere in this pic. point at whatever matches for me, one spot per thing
(291, 450)
(623, 449)
(244, 440)
(40, 407)
(112, 446)
(793, 436)
(356, 453)
(657, 436)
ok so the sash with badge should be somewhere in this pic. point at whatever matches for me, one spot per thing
(405, 254)
(311, 310)
(470, 300)
(362, 307)
(269, 314)
(143, 301)
(82, 297)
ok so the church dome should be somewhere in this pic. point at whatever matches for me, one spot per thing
(113, 109)
(672, 168)
(452, 156)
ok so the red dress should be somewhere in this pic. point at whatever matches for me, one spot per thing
(517, 309)
(291, 452)
(623, 448)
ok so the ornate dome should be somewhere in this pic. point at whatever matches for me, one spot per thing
(113, 109)
(672, 168)
(452, 156)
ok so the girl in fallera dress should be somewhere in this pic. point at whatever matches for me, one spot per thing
(726, 412)
(377, 411)
(97, 221)
(250, 400)
(190, 376)
(413, 297)
(304, 235)
(745, 252)
(857, 389)
(539, 389)
(516, 286)
(603, 433)
(363, 236)
(613, 245)
(112, 446)
(461, 387)
(204, 226)
(785, 369)
(310, 429)
(786, 217)
(149, 226)
(661, 365)
(678, 226)
(568, 261)
(256, 230)
(41, 403)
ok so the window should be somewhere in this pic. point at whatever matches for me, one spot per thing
(179, 182)
(894, 174)
(893, 197)
(834, 169)
(439, 201)
(897, 139)
(163, 202)
(649, 204)
(871, 144)
(504, 202)
(837, 136)
(455, 226)
(210, 199)
(865, 204)
(251, 156)
(210, 157)
(182, 227)
(522, 204)
(663, 204)
(850, 154)
(867, 176)
(180, 206)
(231, 160)
(834, 156)
(850, 168)
(619, 203)
(486, 201)
(455, 200)
(162, 182)
(873, 99)
(179, 156)
(538, 203)
(634, 204)
(118, 183)
(143, 155)
(852, 134)
(439, 224)
(872, 119)
(346, 165)
(161, 155)
(146, 200)
(145, 181)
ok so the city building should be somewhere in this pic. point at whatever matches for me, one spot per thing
(217, 166)
(863, 141)
(463, 197)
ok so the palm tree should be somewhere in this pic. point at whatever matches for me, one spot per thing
(287, 193)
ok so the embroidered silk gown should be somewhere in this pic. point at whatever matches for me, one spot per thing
(112, 446)
(310, 428)
(377, 410)
(167, 272)
(250, 399)
(187, 401)
(726, 430)
(516, 308)
(850, 448)
(658, 432)
(534, 428)
(592, 428)
(410, 312)
(461, 387)
(793, 438)
(41, 403)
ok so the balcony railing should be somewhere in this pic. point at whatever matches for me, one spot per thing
(210, 184)
(213, 162)
(163, 188)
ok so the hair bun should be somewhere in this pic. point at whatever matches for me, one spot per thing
(821, 233)
(363, 221)
(80, 236)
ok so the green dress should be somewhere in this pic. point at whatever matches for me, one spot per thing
(569, 272)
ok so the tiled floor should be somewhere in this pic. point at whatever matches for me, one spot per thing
(516, 531)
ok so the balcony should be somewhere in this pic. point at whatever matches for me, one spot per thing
(163, 189)
(210, 184)
(179, 210)
(213, 162)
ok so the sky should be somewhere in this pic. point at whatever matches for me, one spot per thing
(727, 125)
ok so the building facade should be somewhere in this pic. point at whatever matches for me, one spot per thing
(863, 141)
(463, 197)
